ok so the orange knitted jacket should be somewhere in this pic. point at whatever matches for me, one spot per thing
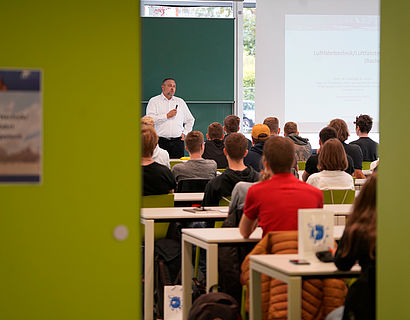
(319, 297)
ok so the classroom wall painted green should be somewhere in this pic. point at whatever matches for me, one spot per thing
(393, 257)
(58, 257)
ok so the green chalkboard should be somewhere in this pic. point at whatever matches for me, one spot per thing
(197, 52)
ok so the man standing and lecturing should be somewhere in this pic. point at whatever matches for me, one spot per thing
(172, 118)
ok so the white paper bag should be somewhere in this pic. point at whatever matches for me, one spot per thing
(315, 231)
(173, 303)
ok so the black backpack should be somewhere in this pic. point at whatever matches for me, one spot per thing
(214, 305)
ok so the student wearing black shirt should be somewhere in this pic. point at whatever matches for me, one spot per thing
(352, 150)
(158, 179)
(214, 146)
(369, 147)
(222, 186)
(311, 163)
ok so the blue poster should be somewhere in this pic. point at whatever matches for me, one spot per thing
(21, 114)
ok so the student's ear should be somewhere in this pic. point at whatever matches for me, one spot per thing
(225, 153)
(297, 132)
(207, 137)
(246, 152)
(186, 149)
(224, 128)
(278, 131)
(320, 143)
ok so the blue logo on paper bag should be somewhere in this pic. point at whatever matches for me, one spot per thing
(174, 302)
(317, 233)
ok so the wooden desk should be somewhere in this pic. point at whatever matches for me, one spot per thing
(339, 209)
(278, 266)
(208, 239)
(148, 217)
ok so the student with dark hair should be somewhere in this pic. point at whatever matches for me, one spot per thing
(369, 147)
(260, 133)
(358, 243)
(352, 150)
(158, 179)
(273, 124)
(232, 125)
(332, 163)
(196, 167)
(214, 145)
(302, 145)
(274, 203)
(221, 186)
(312, 163)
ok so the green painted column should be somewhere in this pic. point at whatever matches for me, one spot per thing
(393, 255)
(58, 256)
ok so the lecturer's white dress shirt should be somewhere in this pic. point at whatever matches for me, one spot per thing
(182, 123)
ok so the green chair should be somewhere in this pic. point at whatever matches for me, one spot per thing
(345, 196)
(158, 201)
(301, 165)
(366, 165)
(172, 163)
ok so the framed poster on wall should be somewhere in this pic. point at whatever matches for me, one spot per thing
(20, 126)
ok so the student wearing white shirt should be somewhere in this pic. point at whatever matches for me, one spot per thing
(332, 163)
(172, 118)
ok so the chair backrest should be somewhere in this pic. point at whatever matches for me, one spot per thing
(366, 165)
(220, 170)
(158, 201)
(301, 165)
(345, 196)
(192, 185)
(225, 201)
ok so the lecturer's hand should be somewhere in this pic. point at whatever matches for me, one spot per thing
(172, 113)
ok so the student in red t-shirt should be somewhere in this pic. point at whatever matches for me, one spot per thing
(274, 203)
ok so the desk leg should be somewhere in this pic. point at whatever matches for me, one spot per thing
(295, 298)
(211, 266)
(186, 277)
(149, 270)
(255, 303)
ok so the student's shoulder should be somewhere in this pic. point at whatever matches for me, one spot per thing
(160, 167)
(178, 166)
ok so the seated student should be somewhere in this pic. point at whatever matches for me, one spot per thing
(158, 179)
(214, 145)
(221, 186)
(231, 125)
(332, 162)
(196, 167)
(364, 124)
(274, 203)
(302, 145)
(260, 133)
(273, 124)
(311, 164)
(358, 243)
(160, 155)
(352, 150)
